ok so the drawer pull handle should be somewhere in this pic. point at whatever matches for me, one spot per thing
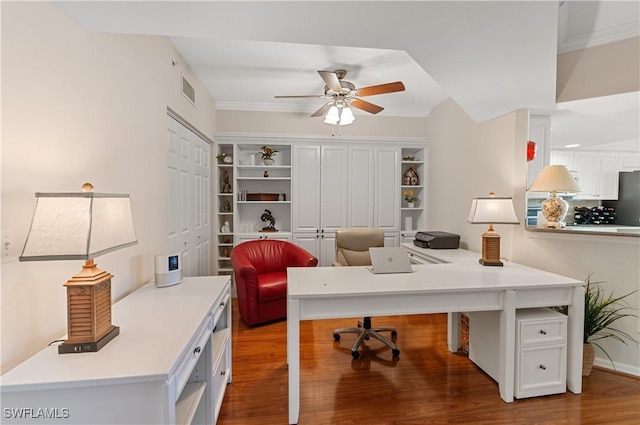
(543, 332)
(543, 367)
(197, 350)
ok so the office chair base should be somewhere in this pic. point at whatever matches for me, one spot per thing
(365, 333)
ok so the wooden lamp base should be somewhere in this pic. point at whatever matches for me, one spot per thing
(490, 248)
(89, 325)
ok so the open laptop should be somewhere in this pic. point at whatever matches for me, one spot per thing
(389, 260)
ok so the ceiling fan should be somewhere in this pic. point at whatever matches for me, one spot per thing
(344, 93)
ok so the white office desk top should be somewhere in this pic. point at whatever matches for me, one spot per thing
(162, 320)
(322, 282)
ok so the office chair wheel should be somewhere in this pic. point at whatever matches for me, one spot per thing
(395, 353)
(355, 355)
(394, 334)
(336, 337)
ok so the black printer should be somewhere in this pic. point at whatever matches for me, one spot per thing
(437, 240)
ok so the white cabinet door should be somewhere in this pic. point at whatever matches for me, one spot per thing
(597, 175)
(308, 241)
(608, 176)
(361, 181)
(334, 183)
(560, 157)
(306, 189)
(629, 161)
(386, 213)
(585, 164)
(391, 239)
(327, 249)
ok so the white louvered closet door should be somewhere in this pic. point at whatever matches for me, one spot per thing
(189, 198)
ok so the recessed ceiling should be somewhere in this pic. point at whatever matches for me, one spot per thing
(489, 57)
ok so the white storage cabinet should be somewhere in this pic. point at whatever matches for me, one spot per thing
(170, 364)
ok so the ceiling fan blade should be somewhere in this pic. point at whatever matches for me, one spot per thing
(366, 106)
(322, 110)
(331, 80)
(380, 89)
(306, 95)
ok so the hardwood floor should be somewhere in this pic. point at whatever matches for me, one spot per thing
(426, 385)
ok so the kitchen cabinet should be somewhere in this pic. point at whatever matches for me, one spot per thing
(597, 175)
(595, 171)
(171, 363)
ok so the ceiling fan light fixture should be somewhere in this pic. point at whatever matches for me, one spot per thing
(333, 116)
(347, 116)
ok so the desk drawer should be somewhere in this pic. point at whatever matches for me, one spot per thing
(537, 332)
(541, 371)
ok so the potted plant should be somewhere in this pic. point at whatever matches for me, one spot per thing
(600, 313)
(409, 197)
(267, 153)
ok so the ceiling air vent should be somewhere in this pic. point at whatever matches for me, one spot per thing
(188, 91)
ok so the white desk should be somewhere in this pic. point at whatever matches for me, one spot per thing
(336, 292)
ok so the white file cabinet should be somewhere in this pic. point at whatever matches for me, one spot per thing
(540, 349)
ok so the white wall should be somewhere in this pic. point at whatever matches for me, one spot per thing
(469, 159)
(81, 107)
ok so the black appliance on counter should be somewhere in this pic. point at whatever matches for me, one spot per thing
(627, 206)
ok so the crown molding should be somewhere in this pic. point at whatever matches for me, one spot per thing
(601, 37)
(297, 108)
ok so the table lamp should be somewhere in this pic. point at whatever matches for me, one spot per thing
(81, 226)
(553, 179)
(492, 210)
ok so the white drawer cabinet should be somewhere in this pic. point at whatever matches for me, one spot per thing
(540, 349)
(541, 352)
(170, 364)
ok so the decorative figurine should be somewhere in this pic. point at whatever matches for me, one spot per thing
(226, 207)
(226, 184)
(266, 217)
(226, 228)
(410, 177)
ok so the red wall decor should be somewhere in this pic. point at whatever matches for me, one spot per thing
(531, 150)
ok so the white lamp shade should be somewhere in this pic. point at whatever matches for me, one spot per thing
(492, 211)
(78, 226)
(347, 116)
(332, 116)
(555, 178)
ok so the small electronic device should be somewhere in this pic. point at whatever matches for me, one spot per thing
(389, 260)
(168, 270)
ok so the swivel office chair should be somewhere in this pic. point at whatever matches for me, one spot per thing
(352, 249)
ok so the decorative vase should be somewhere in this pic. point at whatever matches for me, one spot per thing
(268, 161)
(411, 204)
(588, 355)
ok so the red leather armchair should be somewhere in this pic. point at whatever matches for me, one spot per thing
(260, 271)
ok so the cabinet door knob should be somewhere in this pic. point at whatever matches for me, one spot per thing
(222, 304)
(543, 332)
(197, 350)
(224, 372)
(543, 367)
